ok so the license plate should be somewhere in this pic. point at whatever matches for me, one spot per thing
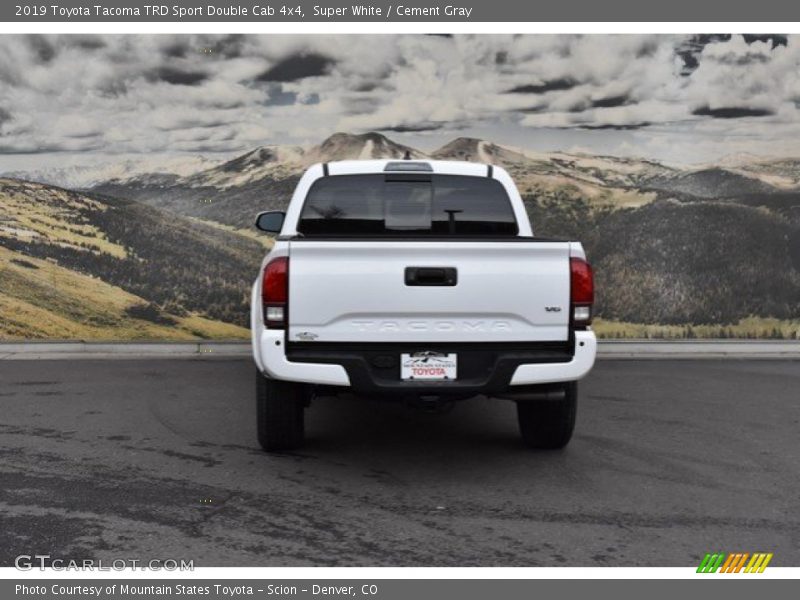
(428, 366)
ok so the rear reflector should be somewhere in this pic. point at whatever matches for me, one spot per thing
(275, 292)
(582, 314)
(274, 313)
(582, 290)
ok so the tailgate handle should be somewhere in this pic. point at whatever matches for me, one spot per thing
(443, 276)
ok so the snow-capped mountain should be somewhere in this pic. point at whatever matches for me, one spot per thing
(87, 176)
(587, 174)
(476, 150)
(280, 162)
(346, 146)
(230, 190)
(265, 162)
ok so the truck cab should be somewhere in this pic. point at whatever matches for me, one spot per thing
(419, 281)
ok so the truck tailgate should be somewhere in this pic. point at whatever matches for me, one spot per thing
(359, 291)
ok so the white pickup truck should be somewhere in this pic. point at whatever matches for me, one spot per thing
(420, 281)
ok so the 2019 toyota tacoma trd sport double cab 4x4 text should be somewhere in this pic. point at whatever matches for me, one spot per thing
(422, 281)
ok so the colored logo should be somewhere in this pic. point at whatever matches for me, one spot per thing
(735, 562)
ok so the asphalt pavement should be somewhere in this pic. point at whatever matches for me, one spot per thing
(143, 459)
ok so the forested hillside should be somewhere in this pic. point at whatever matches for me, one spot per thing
(176, 267)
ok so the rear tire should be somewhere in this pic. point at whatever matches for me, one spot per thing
(548, 424)
(280, 413)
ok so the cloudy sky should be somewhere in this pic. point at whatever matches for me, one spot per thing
(76, 99)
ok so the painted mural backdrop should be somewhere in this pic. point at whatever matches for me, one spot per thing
(131, 166)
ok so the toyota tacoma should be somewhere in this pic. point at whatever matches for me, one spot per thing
(419, 281)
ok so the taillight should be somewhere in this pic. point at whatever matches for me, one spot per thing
(582, 290)
(275, 292)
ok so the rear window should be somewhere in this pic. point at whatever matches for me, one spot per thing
(407, 204)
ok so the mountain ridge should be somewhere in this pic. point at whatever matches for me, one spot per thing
(280, 162)
(537, 170)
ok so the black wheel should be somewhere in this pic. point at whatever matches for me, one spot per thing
(280, 408)
(548, 424)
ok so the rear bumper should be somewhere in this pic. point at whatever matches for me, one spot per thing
(483, 368)
(581, 363)
(269, 352)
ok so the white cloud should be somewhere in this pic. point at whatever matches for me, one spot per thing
(144, 94)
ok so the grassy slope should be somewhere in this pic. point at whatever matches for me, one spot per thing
(41, 300)
(748, 328)
(39, 212)
(72, 265)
